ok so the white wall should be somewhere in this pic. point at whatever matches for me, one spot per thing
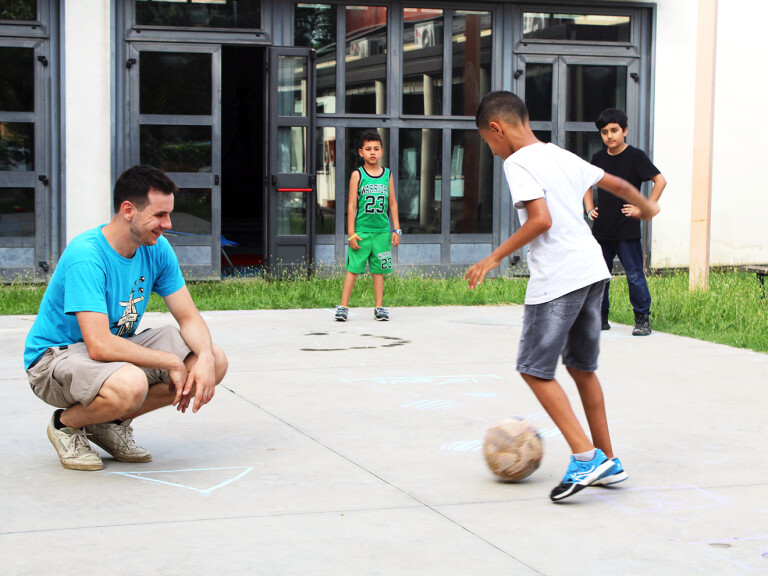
(87, 115)
(740, 177)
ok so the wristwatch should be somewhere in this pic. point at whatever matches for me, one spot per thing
(398, 232)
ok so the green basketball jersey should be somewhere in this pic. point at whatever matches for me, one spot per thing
(372, 202)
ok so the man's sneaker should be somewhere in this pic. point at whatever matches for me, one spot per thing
(581, 474)
(613, 476)
(72, 446)
(381, 314)
(341, 313)
(117, 439)
(642, 325)
(605, 325)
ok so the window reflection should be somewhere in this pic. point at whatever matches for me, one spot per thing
(538, 91)
(192, 211)
(176, 148)
(315, 27)
(579, 27)
(366, 59)
(592, 89)
(19, 10)
(17, 212)
(200, 14)
(422, 61)
(471, 184)
(292, 88)
(17, 80)
(472, 35)
(175, 83)
(419, 186)
(292, 157)
(326, 181)
(584, 144)
(17, 146)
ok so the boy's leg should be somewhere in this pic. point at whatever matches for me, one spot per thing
(378, 289)
(609, 253)
(346, 291)
(630, 253)
(592, 399)
(555, 402)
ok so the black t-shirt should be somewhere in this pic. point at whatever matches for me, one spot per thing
(635, 167)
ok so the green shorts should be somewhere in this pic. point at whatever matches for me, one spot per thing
(376, 249)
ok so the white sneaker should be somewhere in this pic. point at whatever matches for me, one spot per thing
(117, 439)
(73, 448)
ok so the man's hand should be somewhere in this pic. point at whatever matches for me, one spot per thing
(200, 384)
(395, 239)
(477, 272)
(353, 244)
(593, 214)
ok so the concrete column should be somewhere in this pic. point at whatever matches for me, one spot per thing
(704, 106)
(87, 109)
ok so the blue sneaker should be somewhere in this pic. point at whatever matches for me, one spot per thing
(581, 474)
(612, 476)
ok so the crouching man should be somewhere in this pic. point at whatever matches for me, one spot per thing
(84, 354)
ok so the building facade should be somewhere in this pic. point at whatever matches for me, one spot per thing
(254, 107)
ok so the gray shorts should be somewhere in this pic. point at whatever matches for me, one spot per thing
(569, 325)
(66, 375)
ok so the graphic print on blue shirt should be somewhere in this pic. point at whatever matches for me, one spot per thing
(130, 318)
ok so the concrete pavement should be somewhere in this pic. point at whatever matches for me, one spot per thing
(355, 449)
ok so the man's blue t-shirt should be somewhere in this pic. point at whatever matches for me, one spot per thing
(92, 277)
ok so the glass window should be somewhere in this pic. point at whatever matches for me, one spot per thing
(583, 144)
(292, 89)
(419, 186)
(472, 46)
(199, 13)
(471, 184)
(192, 211)
(543, 135)
(354, 161)
(291, 213)
(175, 83)
(366, 59)
(19, 10)
(17, 212)
(422, 61)
(538, 91)
(292, 156)
(176, 148)
(325, 223)
(592, 89)
(578, 27)
(17, 80)
(315, 27)
(17, 146)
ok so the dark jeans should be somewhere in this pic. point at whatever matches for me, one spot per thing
(630, 253)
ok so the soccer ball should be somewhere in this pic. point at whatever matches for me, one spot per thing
(513, 449)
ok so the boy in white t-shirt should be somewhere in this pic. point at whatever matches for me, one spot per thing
(567, 275)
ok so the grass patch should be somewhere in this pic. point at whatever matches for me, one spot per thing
(731, 312)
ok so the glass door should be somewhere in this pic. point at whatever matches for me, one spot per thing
(291, 160)
(25, 187)
(565, 95)
(175, 125)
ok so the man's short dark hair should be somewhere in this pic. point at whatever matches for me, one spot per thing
(611, 116)
(135, 183)
(369, 136)
(500, 105)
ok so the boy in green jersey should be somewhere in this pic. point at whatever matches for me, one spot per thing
(370, 239)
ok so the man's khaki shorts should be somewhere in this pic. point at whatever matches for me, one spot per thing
(66, 375)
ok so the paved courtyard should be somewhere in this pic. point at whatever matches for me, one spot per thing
(355, 449)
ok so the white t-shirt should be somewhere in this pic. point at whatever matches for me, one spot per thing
(566, 257)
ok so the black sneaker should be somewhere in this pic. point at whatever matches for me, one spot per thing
(605, 325)
(341, 313)
(381, 314)
(642, 325)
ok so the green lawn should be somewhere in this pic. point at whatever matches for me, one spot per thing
(731, 312)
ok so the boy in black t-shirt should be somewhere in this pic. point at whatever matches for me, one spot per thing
(617, 232)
